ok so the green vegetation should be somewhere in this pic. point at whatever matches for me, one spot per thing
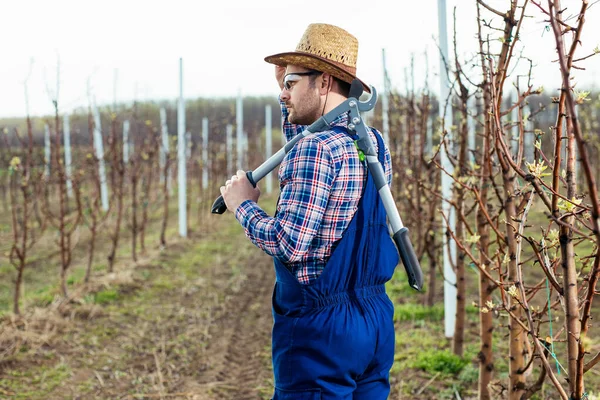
(106, 296)
(35, 382)
(411, 312)
(443, 361)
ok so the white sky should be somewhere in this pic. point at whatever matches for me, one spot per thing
(223, 44)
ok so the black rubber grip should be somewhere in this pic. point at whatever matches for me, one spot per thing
(356, 89)
(250, 178)
(219, 206)
(409, 259)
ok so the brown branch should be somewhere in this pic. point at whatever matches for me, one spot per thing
(479, 200)
(498, 13)
(508, 158)
(559, 221)
(565, 65)
(538, 345)
(590, 364)
(545, 268)
(481, 269)
(537, 386)
(585, 58)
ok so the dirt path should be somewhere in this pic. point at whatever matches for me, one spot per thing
(194, 323)
(239, 351)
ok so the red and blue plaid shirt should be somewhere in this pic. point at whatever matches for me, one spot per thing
(321, 181)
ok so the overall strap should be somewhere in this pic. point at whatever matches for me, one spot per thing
(380, 148)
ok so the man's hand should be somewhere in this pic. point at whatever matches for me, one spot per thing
(237, 190)
(279, 74)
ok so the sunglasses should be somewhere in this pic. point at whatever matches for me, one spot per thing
(293, 77)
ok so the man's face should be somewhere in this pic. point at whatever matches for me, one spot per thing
(300, 97)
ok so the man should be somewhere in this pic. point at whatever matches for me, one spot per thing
(333, 333)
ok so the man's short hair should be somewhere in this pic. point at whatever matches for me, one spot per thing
(344, 87)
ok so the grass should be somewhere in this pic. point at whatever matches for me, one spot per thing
(106, 296)
(412, 312)
(34, 383)
(442, 361)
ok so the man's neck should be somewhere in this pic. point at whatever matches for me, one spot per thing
(333, 100)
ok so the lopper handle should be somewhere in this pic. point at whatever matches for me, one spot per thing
(219, 206)
(409, 259)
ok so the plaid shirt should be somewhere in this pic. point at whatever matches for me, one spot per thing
(321, 181)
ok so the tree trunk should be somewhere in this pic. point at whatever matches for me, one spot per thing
(486, 324)
(517, 337)
(119, 165)
(18, 285)
(117, 232)
(572, 321)
(163, 230)
(92, 247)
(430, 242)
(134, 227)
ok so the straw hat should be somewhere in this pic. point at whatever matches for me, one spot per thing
(324, 48)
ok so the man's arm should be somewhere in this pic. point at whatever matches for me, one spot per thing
(307, 175)
(279, 74)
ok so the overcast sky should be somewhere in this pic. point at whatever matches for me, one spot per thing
(223, 44)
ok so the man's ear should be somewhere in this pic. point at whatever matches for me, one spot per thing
(325, 83)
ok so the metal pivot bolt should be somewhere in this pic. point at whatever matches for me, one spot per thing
(356, 120)
(351, 127)
(352, 103)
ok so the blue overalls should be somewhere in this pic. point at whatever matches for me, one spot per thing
(334, 339)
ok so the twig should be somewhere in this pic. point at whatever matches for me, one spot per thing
(591, 363)
(498, 13)
(99, 378)
(429, 382)
(159, 374)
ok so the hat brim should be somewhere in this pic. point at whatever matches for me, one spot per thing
(311, 61)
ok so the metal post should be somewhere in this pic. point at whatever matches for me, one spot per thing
(188, 147)
(99, 145)
(126, 141)
(47, 151)
(429, 136)
(204, 153)
(446, 117)
(181, 147)
(385, 105)
(472, 107)
(269, 144)
(239, 117)
(115, 78)
(576, 150)
(529, 139)
(229, 139)
(164, 148)
(514, 116)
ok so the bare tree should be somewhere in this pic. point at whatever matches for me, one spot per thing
(23, 180)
